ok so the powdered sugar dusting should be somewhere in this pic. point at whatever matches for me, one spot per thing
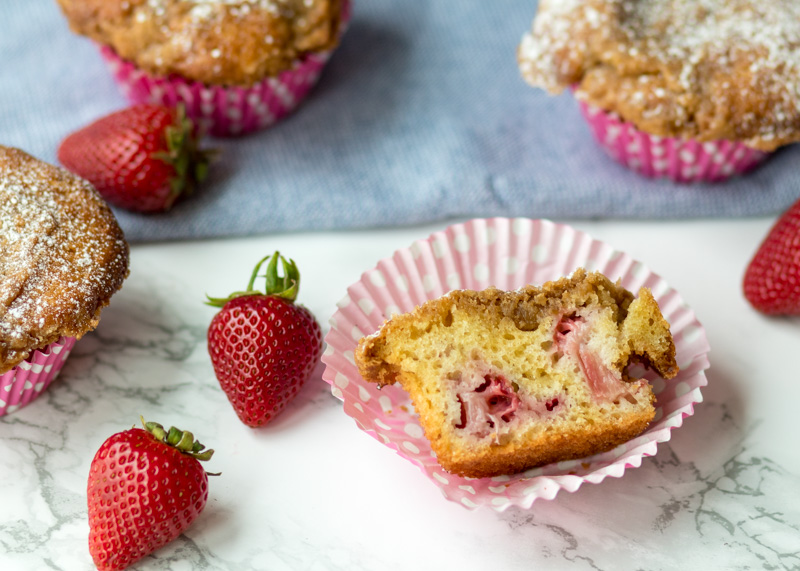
(206, 10)
(694, 31)
(553, 33)
(679, 50)
(61, 255)
(214, 42)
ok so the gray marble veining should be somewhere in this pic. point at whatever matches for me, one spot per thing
(313, 492)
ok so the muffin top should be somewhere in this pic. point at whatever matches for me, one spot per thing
(700, 69)
(218, 42)
(62, 255)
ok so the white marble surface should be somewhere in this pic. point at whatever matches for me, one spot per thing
(311, 491)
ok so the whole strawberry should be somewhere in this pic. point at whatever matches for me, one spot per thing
(141, 158)
(263, 346)
(772, 279)
(146, 486)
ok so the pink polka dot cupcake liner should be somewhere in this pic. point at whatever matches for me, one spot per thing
(24, 383)
(508, 254)
(225, 110)
(681, 160)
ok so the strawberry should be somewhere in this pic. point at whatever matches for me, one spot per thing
(772, 279)
(146, 487)
(141, 158)
(263, 346)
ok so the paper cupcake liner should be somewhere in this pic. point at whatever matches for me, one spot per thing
(25, 382)
(506, 253)
(681, 160)
(220, 110)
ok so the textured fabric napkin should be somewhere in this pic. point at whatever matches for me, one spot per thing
(420, 115)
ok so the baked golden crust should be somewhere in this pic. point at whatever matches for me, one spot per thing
(526, 308)
(699, 69)
(218, 42)
(506, 381)
(62, 255)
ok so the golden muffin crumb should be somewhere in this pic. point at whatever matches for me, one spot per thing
(506, 381)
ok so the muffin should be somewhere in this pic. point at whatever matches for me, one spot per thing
(508, 381)
(236, 65)
(694, 90)
(506, 253)
(62, 257)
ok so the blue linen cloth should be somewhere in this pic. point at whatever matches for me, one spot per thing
(420, 115)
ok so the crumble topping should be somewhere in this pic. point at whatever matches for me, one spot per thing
(62, 255)
(706, 69)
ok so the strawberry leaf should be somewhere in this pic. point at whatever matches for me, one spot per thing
(182, 440)
(284, 286)
(189, 162)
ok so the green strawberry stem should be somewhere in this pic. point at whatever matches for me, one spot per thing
(189, 161)
(183, 440)
(285, 287)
